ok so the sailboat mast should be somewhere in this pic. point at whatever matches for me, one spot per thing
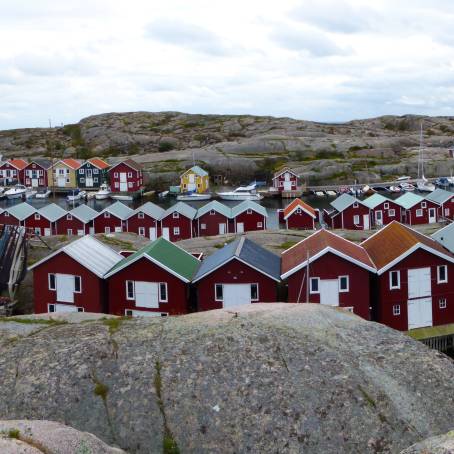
(421, 154)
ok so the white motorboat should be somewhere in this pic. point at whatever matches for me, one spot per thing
(103, 193)
(16, 192)
(394, 189)
(193, 197)
(407, 187)
(403, 178)
(331, 193)
(30, 193)
(123, 197)
(319, 193)
(241, 193)
(163, 194)
(425, 186)
(77, 194)
(43, 194)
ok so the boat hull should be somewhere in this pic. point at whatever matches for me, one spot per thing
(122, 197)
(240, 196)
(193, 198)
(16, 195)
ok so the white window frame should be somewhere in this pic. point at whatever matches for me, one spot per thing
(69, 232)
(348, 283)
(69, 217)
(248, 211)
(82, 171)
(396, 309)
(446, 211)
(442, 303)
(141, 231)
(133, 297)
(423, 204)
(356, 219)
(392, 212)
(391, 287)
(215, 292)
(115, 174)
(176, 231)
(203, 226)
(386, 205)
(80, 284)
(258, 296)
(355, 204)
(314, 292)
(439, 280)
(175, 215)
(298, 211)
(107, 230)
(55, 281)
(166, 300)
(37, 217)
(260, 225)
(212, 212)
(140, 215)
(419, 213)
(129, 174)
(106, 215)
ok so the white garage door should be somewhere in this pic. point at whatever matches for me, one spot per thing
(123, 182)
(419, 313)
(65, 288)
(236, 294)
(147, 294)
(419, 284)
(65, 308)
(329, 292)
(287, 185)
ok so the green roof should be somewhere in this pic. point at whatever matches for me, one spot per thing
(163, 252)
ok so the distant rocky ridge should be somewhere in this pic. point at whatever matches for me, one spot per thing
(262, 378)
(243, 147)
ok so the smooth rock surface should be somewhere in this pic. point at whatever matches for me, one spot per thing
(443, 444)
(261, 379)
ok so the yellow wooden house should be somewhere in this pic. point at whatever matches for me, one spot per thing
(194, 179)
(63, 174)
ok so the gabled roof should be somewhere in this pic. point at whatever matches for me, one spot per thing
(120, 210)
(343, 202)
(374, 200)
(129, 162)
(182, 208)
(90, 253)
(285, 169)
(44, 163)
(52, 212)
(396, 241)
(99, 163)
(298, 203)
(439, 196)
(317, 245)
(150, 209)
(18, 163)
(445, 237)
(166, 255)
(246, 251)
(21, 211)
(216, 206)
(197, 170)
(408, 200)
(248, 205)
(84, 213)
(71, 163)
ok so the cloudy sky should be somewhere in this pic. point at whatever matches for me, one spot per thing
(326, 60)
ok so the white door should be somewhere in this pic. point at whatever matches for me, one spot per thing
(118, 229)
(419, 313)
(166, 233)
(91, 230)
(329, 292)
(61, 182)
(366, 223)
(152, 233)
(47, 232)
(432, 215)
(35, 183)
(147, 294)
(65, 288)
(287, 185)
(419, 283)
(80, 232)
(65, 308)
(123, 181)
(379, 217)
(191, 183)
(89, 178)
(236, 294)
(222, 229)
(239, 227)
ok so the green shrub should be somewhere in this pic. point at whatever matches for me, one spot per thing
(165, 146)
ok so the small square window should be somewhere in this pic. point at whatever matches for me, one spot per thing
(423, 204)
(80, 309)
(128, 312)
(419, 213)
(82, 180)
(51, 308)
(386, 205)
(343, 284)
(106, 214)
(37, 217)
(140, 215)
(176, 231)
(176, 215)
(396, 309)
(391, 212)
(69, 217)
(355, 205)
(141, 231)
(314, 284)
(212, 212)
(442, 303)
(298, 211)
(249, 211)
(82, 171)
(259, 225)
(394, 280)
(218, 291)
(442, 274)
(254, 292)
(203, 226)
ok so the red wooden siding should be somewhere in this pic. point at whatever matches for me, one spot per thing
(251, 221)
(185, 224)
(101, 222)
(134, 178)
(211, 223)
(41, 224)
(16, 175)
(234, 272)
(33, 169)
(409, 216)
(63, 225)
(278, 182)
(144, 270)
(92, 297)
(300, 220)
(134, 223)
(387, 218)
(8, 220)
(345, 219)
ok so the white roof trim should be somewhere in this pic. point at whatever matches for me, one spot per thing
(283, 171)
(302, 208)
(123, 162)
(322, 253)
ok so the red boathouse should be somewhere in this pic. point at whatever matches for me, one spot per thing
(299, 215)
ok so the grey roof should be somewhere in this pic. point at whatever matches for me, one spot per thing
(374, 200)
(343, 202)
(120, 210)
(52, 212)
(198, 171)
(182, 208)
(445, 237)
(246, 205)
(439, 196)
(408, 200)
(90, 253)
(84, 213)
(150, 209)
(246, 250)
(216, 206)
(44, 163)
(21, 211)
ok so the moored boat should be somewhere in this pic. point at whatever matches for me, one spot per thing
(193, 197)
(16, 192)
(123, 197)
(77, 194)
(43, 193)
(407, 187)
(241, 193)
(103, 193)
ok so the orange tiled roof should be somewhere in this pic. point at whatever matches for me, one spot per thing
(395, 239)
(73, 163)
(319, 241)
(299, 203)
(18, 163)
(99, 163)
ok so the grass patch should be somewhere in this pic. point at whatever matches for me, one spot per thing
(114, 323)
(287, 244)
(33, 321)
(221, 245)
(370, 401)
(169, 445)
(117, 242)
(14, 433)
(101, 389)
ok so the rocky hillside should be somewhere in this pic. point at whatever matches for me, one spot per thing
(268, 378)
(244, 147)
